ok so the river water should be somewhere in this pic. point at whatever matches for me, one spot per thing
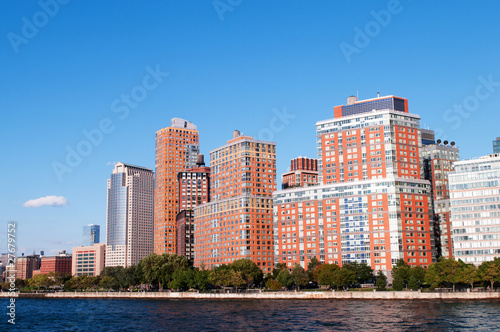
(251, 315)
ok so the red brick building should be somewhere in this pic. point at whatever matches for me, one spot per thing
(303, 173)
(194, 190)
(371, 205)
(177, 147)
(237, 222)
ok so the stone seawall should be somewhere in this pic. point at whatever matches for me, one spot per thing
(405, 295)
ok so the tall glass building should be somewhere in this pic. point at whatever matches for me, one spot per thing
(91, 234)
(496, 145)
(475, 209)
(129, 223)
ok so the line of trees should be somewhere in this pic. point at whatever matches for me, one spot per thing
(157, 272)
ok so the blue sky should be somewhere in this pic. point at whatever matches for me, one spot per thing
(231, 65)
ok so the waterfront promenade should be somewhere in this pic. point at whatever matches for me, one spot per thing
(328, 295)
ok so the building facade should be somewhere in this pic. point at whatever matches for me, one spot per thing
(91, 234)
(55, 264)
(371, 205)
(129, 223)
(177, 148)
(475, 209)
(496, 146)
(438, 162)
(237, 223)
(194, 189)
(303, 173)
(88, 260)
(25, 265)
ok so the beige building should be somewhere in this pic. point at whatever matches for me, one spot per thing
(88, 260)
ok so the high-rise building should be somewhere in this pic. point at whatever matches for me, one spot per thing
(88, 260)
(496, 145)
(25, 265)
(55, 264)
(177, 148)
(237, 223)
(438, 163)
(428, 137)
(303, 173)
(371, 205)
(475, 209)
(91, 234)
(129, 223)
(194, 189)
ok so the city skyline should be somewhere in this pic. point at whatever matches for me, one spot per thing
(273, 80)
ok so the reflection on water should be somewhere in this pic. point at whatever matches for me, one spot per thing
(253, 315)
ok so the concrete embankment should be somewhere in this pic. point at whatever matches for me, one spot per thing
(405, 295)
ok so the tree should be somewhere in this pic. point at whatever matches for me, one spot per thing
(381, 281)
(344, 277)
(250, 272)
(402, 270)
(490, 271)
(413, 283)
(311, 267)
(273, 284)
(201, 279)
(445, 270)
(150, 269)
(285, 278)
(418, 273)
(236, 279)
(325, 274)
(398, 283)
(277, 269)
(109, 282)
(468, 275)
(362, 272)
(299, 276)
(40, 280)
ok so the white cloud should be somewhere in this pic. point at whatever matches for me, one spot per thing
(47, 200)
(111, 163)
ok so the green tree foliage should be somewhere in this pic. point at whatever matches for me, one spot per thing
(381, 282)
(325, 274)
(311, 268)
(299, 276)
(344, 277)
(273, 284)
(285, 278)
(250, 272)
(40, 280)
(398, 283)
(109, 282)
(362, 272)
(490, 271)
(468, 275)
(401, 270)
(413, 283)
(277, 269)
(446, 270)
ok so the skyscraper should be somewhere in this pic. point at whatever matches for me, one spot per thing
(177, 147)
(237, 223)
(496, 145)
(91, 234)
(475, 209)
(371, 205)
(194, 189)
(129, 223)
(438, 163)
